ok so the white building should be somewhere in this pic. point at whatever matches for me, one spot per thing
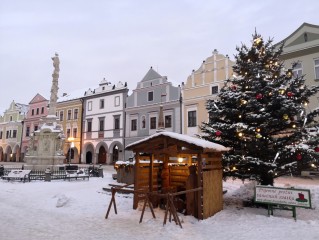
(103, 123)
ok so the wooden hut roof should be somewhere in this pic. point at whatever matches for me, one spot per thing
(166, 140)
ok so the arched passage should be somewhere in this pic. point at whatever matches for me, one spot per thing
(8, 154)
(116, 152)
(88, 151)
(102, 155)
(1, 154)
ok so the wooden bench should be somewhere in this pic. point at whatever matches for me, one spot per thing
(283, 198)
(18, 175)
(77, 174)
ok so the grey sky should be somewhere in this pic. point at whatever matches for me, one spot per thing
(121, 39)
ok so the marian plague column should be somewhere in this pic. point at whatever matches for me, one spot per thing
(45, 146)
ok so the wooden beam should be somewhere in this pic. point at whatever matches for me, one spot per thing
(136, 177)
(150, 177)
(200, 184)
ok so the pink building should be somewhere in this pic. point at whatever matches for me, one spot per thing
(38, 108)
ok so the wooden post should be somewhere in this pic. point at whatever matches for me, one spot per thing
(199, 182)
(150, 180)
(136, 175)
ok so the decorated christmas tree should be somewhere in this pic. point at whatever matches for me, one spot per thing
(261, 115)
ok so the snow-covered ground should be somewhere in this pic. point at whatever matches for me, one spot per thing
(76, 210)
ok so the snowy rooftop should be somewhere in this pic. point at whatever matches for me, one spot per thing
(75, 94)
(185, 138)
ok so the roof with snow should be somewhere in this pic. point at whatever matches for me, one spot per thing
(150, 75)
(154, 142)
(75, 94)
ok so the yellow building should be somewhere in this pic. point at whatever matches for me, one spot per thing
(203, 84)
(69, 113)
(302, 46)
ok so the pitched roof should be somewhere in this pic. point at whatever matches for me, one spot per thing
(38, 98)
(150, 75)
(205, 145)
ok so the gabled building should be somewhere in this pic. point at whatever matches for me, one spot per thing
(37, 109)
(203, 84)
(11, 128)
(143, 108)
(302, 46)
(69, 111)
(103, 123)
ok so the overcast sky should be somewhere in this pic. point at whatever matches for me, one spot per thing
(119, 40)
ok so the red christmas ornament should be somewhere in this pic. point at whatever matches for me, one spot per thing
(233, 88)
(218, 133)
(259, 96)
(290, 94)
(299, 156)
(316, 149)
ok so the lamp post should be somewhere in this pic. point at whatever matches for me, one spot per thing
(70, 139)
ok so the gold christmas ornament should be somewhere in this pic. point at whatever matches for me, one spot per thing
(285, 116)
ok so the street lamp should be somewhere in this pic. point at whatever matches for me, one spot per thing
(70, 139)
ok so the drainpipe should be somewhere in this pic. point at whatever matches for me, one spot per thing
(181, 111)
(22, 122)
(81, 138)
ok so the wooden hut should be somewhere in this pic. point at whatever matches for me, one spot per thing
(176, 163)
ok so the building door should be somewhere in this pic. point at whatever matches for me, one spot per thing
(102, 155)
(88, 157)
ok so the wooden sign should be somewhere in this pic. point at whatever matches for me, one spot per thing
(283, 196)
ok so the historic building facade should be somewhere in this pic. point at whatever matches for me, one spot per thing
(203, 84)
(69, 114)
(143, 108)
(302, 46)
(11, 128)
(38, 108)
(103, 123)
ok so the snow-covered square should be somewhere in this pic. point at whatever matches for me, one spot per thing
(76, 210)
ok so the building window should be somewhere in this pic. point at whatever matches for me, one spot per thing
(75, 132)
(117, 101)
(317, 69)
(76, 113)
(38, 110)
(101, 127)
(101, 103)
(191, 118)
(32, 112)
(90, 106)
(36, 127)
(69, 114)
(8, 135)
(0, 134)
(214, 89)
(10, 118)
(297, 71)
(89, 125)
(68, 133)
(61, 115)
(14, 134)
(143, 122)
(153, 122)
(42, 110)
(117, 122)
(168, 121)
(150, 96)
(27, 132)
(133, 125)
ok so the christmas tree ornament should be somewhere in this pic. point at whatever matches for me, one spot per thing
(298, 156)
(218, 133)
(316, 149)
(259, 96)
(285, 117)
(289, 94)
(258, 135)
